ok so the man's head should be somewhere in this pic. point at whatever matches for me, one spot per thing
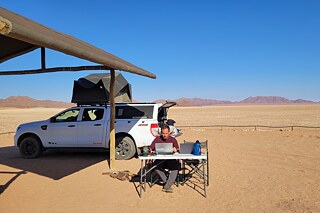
(165, 130)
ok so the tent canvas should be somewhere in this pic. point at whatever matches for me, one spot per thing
(94, 89)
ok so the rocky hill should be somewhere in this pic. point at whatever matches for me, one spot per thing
(195, 102)
(27, 102)
(249, 100)
(272, 100)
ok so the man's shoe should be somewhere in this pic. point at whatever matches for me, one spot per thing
(167, 190)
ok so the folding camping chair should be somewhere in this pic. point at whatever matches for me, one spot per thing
(194, 168)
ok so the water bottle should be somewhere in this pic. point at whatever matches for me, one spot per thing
(145, 151)
(196, 148)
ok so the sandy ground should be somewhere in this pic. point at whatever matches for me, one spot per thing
(250, 171)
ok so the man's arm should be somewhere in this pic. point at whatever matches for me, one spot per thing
(152, 146)
(176, 147)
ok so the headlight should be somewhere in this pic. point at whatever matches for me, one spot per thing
(18, 128)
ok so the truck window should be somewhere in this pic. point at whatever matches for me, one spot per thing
(92, 114)
(134, 112)
(67, 116)
(98, 114)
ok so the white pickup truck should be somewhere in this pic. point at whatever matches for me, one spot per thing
(88, 127)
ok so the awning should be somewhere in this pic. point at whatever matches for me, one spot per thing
(19, 35)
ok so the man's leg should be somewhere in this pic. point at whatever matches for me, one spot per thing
(159, 170)
(162, 175)
(173, 166)
(172, 177)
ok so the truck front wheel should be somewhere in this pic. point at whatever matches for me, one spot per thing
(30, 147)
(125, 148)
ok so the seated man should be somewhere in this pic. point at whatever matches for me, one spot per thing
(171, 165)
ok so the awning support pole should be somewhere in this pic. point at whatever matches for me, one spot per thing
(112, 120)
(55, 69)
(43, 58)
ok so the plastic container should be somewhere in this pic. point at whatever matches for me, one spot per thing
(197, 148)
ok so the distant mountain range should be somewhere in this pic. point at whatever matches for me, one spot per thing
(273, 100)
(27, 102)
(249, 100)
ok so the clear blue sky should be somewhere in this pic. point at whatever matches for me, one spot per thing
(223, 50)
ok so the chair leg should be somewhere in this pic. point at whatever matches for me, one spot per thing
(204, 180)
(178, 178)
(208, 170)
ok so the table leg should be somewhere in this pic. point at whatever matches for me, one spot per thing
(145, 175)
(183, 171)
(141, 168)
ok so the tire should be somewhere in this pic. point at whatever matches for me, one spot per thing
(125, 148)
(30, 147)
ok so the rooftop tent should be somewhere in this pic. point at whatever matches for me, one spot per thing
(94, 89)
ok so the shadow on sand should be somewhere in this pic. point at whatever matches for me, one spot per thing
(152, 178)
(53, 164)
(6, 185)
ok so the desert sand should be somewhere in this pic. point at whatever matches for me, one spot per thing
(251, 170)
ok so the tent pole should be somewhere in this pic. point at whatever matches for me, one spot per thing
(112, 120)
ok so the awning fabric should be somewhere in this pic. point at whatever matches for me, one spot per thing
(19, 35)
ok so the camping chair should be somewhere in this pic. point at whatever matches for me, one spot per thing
(195, 167)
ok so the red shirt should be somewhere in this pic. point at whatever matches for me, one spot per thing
(159, 139)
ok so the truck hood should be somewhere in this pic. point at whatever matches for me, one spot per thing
(35, 123)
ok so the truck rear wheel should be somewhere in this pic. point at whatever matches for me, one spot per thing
(125, 148)
(30, 147)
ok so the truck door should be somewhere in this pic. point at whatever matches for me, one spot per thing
(62, 129)
(92, 127)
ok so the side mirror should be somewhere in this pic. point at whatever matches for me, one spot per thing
(53, 120)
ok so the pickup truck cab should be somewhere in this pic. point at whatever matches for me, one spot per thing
(136, 125)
